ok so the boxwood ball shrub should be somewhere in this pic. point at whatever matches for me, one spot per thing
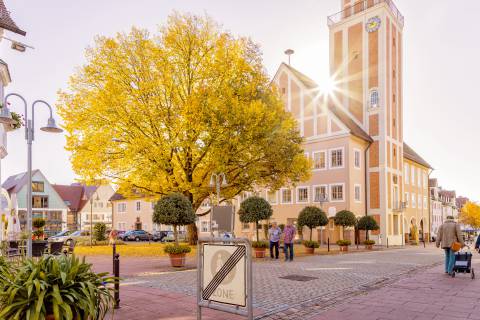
(254, 209)
(312, 217)
(344, 242)
(311, 244)
(174, 209)
(177, 249)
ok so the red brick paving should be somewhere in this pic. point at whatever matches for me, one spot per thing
(429, 295)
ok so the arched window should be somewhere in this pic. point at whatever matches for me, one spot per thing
(374, 99)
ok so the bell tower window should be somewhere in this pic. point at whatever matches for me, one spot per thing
(374, 99)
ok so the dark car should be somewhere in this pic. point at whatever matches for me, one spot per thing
(137, 235)
(159, 235)
(120, 234)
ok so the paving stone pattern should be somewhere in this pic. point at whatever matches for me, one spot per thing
(337, 278)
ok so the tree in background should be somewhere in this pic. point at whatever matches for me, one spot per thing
(367, 223)
(312, 217)
(158, 114)
(174, 209)
(345, 219)
(254, 209)
(470, 215)
(99, 231)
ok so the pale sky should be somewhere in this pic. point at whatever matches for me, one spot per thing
(442, 61)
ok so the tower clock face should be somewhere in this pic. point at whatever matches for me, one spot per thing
(373, 24)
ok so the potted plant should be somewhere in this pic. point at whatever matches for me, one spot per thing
(60, 287)
(343, 244)
(17, 118)
(176, 210)
(38, 224)
(254, 209)
(367, 223)
(310, 246)
(345, 219)
(311, 217)
(259, 248)
(369, 244)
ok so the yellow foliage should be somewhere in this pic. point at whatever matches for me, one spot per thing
(158, 114)
(470, 215)
(130, 250)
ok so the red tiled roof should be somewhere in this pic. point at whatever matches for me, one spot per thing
(72, 195)
(6, 21)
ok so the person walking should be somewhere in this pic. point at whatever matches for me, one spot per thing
(289, 235)
(274, 234)
(448, 234)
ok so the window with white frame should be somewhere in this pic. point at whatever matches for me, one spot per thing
(272, 196)
(374, 99)
(122, 226)
(357, 191)
(425, 202)
(138, 205)
(419, 177)
(425, 179)
(406, 172)
(302, 194)
(286, 196)
(122, 207)
(414, 200)
(407, 199)
(320, 193)
(336, 192)
(204, 226)
(412, 176)
(356, 158)
(419, 203)
(336, 158)
(319, 160)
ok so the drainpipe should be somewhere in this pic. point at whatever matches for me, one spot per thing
(429, 206)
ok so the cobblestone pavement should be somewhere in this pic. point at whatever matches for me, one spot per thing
(337, 277)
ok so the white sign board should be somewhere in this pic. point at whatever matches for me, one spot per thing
(224, 274)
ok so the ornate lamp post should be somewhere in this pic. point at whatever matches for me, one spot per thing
(6, 118)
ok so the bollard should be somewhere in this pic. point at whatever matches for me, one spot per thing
(328, 244)
(114, 251)
(116, 273)
(387, 242)
(424, 242)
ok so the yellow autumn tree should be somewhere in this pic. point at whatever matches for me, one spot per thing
(160, 113)
(470, 214)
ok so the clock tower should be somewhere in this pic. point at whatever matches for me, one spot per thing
(366, 64)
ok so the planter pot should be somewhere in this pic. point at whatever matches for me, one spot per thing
(369, 246)
(259, 252)
(177, 260)
(343, 248)
(309, 250)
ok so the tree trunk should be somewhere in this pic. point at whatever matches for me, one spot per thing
(192, 233)
(175, 234)
(367, 236)
(256, 228)
(311, 231)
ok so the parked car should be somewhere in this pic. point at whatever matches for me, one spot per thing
(182, 236)
(137, 235)
(120, 234)
(68, 236)
(159, 235)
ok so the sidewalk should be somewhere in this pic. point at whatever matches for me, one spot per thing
(428, 295)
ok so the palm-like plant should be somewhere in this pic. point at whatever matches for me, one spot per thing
(64, 287)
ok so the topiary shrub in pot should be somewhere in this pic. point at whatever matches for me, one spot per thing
(51, 287)
(176, 210)
(177, 254)
(311, 217)
(369, 244)
(254, 209)
(259, 248)
(310, 246)
(367, 223)
(343, 244)
(38, 224)
(345, 219)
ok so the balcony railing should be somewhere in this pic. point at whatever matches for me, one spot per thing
(399, 206)
(362, 6)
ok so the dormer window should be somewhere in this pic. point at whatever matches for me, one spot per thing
(374, 99)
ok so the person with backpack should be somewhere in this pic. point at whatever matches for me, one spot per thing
(450, 238)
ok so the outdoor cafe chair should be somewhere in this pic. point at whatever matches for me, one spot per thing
(55, 248)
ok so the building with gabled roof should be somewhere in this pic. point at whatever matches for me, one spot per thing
(354, 135)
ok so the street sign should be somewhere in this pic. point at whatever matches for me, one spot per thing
(224, 276)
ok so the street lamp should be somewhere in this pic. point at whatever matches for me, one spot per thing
(6, 118)
(217, 180)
